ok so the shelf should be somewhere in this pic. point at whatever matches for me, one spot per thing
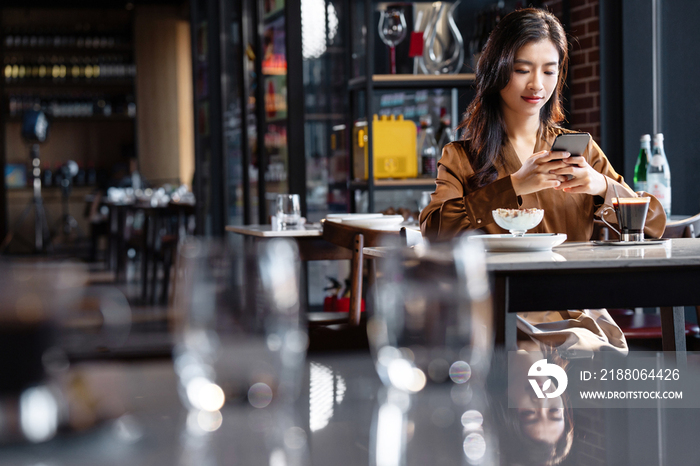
(68, 50)
(324, 116)
(115, 84)
(392, 184)
(395, 81)
(273, 15)
(55, 119)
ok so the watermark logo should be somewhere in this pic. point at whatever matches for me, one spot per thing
(542, 368)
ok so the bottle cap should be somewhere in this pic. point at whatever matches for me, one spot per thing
(659, 136)
(645, 138)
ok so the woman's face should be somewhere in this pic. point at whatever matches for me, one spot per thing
(541, 420)
(534, 79)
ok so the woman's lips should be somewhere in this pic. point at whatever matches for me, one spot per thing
(531, 100)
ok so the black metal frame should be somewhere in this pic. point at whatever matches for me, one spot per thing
(3, 160)
(216, 168)
(296, 169)
(257, 12)
(197, 184)
(668, 287)
(611, 92)
(245, 147)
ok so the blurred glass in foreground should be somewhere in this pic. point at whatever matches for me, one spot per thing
(34, 299)
(433, 316)
(241, 336)
(432, 341)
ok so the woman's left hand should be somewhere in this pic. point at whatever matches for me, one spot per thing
(585, 180)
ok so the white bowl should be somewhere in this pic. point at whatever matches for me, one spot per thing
(517, 221)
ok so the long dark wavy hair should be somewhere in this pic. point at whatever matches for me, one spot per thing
(483, 121)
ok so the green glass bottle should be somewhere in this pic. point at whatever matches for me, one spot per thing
(640, 169)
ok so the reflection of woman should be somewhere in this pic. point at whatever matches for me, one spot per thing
(503, 161)
(532, 431)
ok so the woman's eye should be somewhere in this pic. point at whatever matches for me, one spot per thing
(521, 71)
(550, 73)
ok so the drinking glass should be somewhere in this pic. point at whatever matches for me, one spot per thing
(631, 216)
(424, 200)
(433, 317)
(392, 30)
(431, 337)
(241, 337)
(288, 210)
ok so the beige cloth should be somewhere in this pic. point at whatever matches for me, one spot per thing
(576, 332)
(455, 209)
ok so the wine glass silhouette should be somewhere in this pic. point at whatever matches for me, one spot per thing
(392, 30)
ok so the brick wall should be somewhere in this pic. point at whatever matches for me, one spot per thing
(584, 65)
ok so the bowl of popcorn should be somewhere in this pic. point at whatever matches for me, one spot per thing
(518, 221)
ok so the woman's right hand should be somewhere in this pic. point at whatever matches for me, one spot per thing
(536, 172)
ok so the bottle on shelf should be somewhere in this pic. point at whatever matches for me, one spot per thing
(427, 149)
(444, 135)
(659, 174)
(640, 169)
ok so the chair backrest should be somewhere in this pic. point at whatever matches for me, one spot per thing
(601, 232)
(687, 228)
(355, 238)
(343, 235)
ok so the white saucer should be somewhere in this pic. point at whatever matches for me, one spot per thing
(374, 222)
(646, 242)
(526, 256)
(344, 217)
(528, 242)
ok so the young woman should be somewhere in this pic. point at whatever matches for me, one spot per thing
(504, 161)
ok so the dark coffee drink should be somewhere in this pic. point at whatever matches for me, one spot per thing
(631, 213)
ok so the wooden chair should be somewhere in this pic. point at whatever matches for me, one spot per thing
(353, 239)
(687, 228)
(638, 326)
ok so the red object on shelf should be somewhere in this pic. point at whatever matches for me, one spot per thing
(416, 47)
(335, 304)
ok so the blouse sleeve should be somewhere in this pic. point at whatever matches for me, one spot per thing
(656, 217)
(453, 208)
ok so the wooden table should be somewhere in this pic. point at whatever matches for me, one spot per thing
(586, 276)
(309, 238)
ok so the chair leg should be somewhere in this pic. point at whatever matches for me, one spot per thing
(356, 281)
(167, 265)
(673, 328)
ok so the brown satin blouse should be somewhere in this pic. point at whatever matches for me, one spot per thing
(454, 209)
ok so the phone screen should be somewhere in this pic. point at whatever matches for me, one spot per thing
(573, 143)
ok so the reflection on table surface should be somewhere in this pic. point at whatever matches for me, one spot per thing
(576, 255)
(345, 416)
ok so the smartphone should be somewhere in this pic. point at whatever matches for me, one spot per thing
(573, 143)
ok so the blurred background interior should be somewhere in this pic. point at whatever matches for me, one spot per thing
(128, 126)
(170, 118)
